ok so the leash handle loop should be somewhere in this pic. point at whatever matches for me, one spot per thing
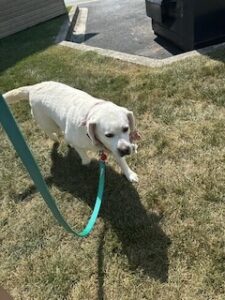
(12, 130)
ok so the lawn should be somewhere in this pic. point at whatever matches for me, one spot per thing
(162, 238)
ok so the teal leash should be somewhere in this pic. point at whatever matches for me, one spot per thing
(12, 130)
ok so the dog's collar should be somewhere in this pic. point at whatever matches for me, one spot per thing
(86, 118)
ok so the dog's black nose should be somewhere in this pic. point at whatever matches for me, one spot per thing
(124, 151)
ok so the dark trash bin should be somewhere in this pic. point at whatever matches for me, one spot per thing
(188, 23)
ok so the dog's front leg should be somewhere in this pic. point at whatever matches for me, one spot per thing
(131, 176)
(83, 155)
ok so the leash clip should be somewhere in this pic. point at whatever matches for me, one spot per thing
(102, 156)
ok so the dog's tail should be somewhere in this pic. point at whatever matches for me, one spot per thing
(15, 95)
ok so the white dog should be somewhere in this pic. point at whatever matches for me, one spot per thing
(86, 122)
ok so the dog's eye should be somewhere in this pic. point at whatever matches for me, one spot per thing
(125, 129)
(109, 135)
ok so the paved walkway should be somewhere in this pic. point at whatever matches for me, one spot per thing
(70, 2)
(123, 26)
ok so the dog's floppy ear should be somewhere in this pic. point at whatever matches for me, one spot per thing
(131, 120)
(91, 128)
(134, 134)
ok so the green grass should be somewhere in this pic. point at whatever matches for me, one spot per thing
(160, 239)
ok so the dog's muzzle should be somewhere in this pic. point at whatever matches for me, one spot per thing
(124, 151)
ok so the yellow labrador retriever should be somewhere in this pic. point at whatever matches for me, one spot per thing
(87, 123)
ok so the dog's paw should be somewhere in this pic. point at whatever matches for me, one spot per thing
(132, 177)
(134, 148)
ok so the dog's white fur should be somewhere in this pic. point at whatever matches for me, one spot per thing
(84, 120)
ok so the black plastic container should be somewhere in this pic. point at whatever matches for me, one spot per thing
(188, 23)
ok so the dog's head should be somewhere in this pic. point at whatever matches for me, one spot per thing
(112, 126)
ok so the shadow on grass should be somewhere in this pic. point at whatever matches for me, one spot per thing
(18, 46)
(143, 241)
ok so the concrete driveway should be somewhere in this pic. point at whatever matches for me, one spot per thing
(122, 25)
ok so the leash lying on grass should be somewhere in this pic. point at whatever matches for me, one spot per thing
(12, 130)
